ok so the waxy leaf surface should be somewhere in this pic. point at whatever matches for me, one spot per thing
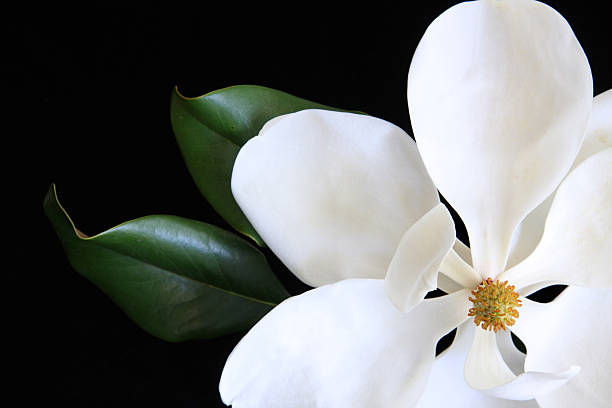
(176, 278)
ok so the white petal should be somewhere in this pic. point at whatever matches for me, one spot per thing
(529, 233)
(576, 247)
(598, 137)
(460, 271)
(456, 271)
(447, 284)
(530, 289)
(413, 271)
(484, 366)
(511, 355)
(463, 251)
(494, 87)
(331, 193)
(531, 385)
(486, 370)
(574, 329)
(447, 387)
(340, 345)
(599, 129)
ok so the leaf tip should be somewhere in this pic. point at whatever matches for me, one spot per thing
(178, 93)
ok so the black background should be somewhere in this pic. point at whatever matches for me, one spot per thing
(88, 98)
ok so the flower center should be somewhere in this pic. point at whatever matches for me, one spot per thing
(494, 305)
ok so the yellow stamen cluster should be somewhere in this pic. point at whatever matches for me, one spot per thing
(494, 305)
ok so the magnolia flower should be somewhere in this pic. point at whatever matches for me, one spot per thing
(500, 95)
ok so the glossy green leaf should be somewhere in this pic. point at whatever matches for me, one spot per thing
(210, 130)
(176, 278)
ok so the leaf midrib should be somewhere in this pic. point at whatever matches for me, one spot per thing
(208, 285)
(187, 107)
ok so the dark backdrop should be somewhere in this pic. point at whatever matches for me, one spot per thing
(90, 95)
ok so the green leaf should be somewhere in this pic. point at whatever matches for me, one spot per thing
(210, 130)
(176, 278)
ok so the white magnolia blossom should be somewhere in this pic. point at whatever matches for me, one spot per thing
(500, 94)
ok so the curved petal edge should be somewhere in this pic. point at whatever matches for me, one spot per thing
(331, 193)
(379, 356)
(413, 271)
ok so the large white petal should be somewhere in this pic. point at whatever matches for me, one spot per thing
(456, 271)
(529, 233)
(499, 95)
(599, 129)
(463, 251)
(511, 355)
(597, 138)
(530, 289)
(573, 329)
(456, 268)
(447, 387)
(576, 247)
(533, 384)
(340, 345)
(447, 284)
(413, 271)
(486, 370)
(332, 193)
(484, 366)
